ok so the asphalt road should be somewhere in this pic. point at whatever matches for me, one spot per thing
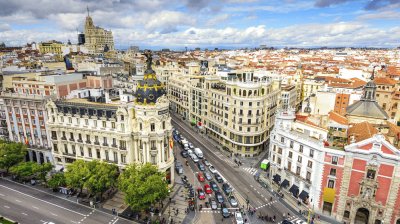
(31, 206)
(243, 182)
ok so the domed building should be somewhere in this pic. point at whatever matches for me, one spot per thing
(150, 88)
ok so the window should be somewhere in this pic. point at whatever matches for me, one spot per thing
(280, 151)
(86, 122)
(301, 149)
(90, 152)
(309, 165)
(331, 183)
(332, 172)
(96, 138)
(122, 117)
(88, 138)
(371, 174)
(298, 169)
(115, 157)
(106, 153)
(291, 144)
(152, 127)
(122, 144)
(282, 139)
(112, 124)
(81, 149)
(95, 123)
(163, 125)
(311, 153)
(123, 158)
(98, 153)
(290, 154)
(105, 140)
(70, 120)
(299, 159)
(114, 142)
(289, 166)
(55, 147)
(308, 176)
(334, 160)
(104, 124)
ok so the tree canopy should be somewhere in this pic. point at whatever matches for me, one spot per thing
(11, 153)
(76, 174)
(102, 177)
(143, 186)
(25, 169)
(57, 180)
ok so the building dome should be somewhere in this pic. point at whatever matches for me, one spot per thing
(150, 88)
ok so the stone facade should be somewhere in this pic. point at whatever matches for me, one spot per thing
(97, 39)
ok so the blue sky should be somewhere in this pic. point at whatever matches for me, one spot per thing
(208, 23)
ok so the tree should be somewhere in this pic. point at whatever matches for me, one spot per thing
(103, 176)
(11, 153)
(77, 174)
(25, 169)
(57, 180)
(42, 171)
(143, 186)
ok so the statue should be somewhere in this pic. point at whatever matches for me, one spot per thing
(149, 59)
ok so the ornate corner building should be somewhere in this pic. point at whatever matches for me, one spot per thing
(113, 131)
(97, 39)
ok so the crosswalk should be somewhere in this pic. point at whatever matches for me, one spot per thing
(293, 219)
(250, 170)
(267, 204)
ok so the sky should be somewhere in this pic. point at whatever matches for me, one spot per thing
(177, 24)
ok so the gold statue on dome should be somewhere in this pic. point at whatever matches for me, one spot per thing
(149, 58)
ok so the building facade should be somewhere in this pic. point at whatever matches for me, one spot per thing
(97, 39)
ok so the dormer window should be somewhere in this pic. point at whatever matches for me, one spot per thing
(371, 174)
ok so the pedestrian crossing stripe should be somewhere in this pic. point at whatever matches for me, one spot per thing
(210, 211)
(267, 204)
(250, 170)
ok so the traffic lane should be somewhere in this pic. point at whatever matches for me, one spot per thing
(53, 201)
(239, 183)
(26, 209)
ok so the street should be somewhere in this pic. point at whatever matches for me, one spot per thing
(240, 178)
(31, 206)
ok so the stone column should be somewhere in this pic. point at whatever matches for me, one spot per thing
(160, 152)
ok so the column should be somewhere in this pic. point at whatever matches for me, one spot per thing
(136, 149)
(159, 153)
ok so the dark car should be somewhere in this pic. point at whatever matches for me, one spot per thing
(219, 197)
(286, 222)
(225, 213)
(184, 154)
(226, 188)
(214, 186)
(218, 178)
(191, 193)
(201, 167)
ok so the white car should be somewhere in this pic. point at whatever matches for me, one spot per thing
(212, 169)
(300, 222)
(190, 152)
(194, 158)
(239, 218)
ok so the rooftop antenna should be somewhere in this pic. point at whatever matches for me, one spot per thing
(87, 8)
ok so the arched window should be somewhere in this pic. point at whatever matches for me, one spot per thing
(244, 93)
(262, 91)
(250, 92)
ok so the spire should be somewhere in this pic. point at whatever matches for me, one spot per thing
(87, 8)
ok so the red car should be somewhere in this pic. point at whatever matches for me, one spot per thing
(201, 194)
(200, 177)
(207, 189)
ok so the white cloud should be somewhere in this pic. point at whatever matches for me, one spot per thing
(387, 14)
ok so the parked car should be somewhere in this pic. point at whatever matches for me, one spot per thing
(239, 218)
(212, 169)
(206, 163)
(201, 167)
(207, 189)
(207, 175)
(213, 203)
(184, 154)
(194, 158)
(190, 152)
(226, 188)
(301, 222)
(179, 170)
(191, 193)
(214, 186)
(219, 197)
(286, 222)
(226, 213)
(191, 146)
(218, 178)
(200, 177)
(232, 200)
(200, 194)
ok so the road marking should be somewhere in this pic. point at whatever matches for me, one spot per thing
(1, 194)
(53, 214)
(115, 221)
(43, 201)
(5, 206)
(74, 221)
(17, 200)
(24, 213)
(35, 207)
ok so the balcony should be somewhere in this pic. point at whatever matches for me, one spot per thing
(80, 140)
(64, 138)
(114, 145)
(96, 143)
(105, 144)
(122, 147)
(88, 142)
(54, 137)
(71, 139)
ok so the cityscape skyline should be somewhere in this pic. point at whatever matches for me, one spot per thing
(208, 24)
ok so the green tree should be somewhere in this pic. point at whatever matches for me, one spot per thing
(103, 176)
(143, 186)
(25, 169)
(57, 180)
(76, 175)
(11, 153)
(42, 171)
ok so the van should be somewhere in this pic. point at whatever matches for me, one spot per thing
(198, 153)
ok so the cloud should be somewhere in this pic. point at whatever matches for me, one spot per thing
(386, 15)
(4, 27)
(370, 5)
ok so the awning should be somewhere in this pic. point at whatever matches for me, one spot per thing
(294, 190)
(303, 195)
(277, 178)
(329, 195)
(285, 183)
